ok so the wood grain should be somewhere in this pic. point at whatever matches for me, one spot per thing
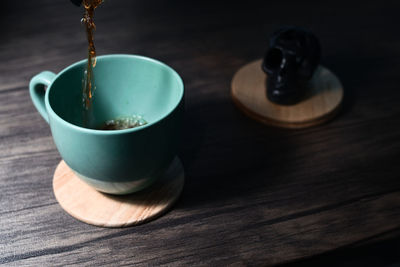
(86, 204)
(254, 195)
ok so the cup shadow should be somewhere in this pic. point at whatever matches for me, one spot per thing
(227, 160)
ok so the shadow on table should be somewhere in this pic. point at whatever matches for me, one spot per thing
(382, 254)
(227, 155)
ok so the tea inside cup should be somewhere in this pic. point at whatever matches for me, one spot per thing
(127, 86)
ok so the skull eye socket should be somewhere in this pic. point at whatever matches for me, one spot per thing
(273, 58)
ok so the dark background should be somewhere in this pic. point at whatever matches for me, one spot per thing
(254, 195)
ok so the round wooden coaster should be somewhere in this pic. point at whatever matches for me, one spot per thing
(321, 104)
(93, 207)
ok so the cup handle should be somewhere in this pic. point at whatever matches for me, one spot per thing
(37, 91)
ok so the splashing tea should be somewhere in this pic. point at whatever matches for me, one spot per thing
(88, 79)
(88, 84)
(123, 123)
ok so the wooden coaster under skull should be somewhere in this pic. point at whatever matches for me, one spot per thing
(288, 88)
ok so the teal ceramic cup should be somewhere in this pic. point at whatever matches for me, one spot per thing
(114, 161)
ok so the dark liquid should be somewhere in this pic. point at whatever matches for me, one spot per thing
(109, 127)
(113, 126)
(88, 82)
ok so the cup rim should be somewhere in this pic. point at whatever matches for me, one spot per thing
(53, 114)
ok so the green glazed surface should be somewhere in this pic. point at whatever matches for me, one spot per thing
(119, 161)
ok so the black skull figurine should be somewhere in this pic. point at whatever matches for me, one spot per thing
(290, 62)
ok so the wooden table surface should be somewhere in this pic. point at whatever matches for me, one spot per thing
(254, 195)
